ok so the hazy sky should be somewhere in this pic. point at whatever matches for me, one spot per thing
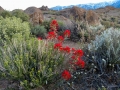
(23, 4)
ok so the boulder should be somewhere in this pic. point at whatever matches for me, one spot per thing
(92, 18)
(44, 8)
(36, 16)
(81, 15)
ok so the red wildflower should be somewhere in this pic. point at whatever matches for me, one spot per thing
(66, 33)
(54, 25)
(57, 45)
(66, 75)
(66, 49)
(39, 38)
(80, 63)
(78, 52)
(73, 49)
(51, 35)
(73, 57)
(60, 38)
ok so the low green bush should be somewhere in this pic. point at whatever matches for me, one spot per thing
(20, 14)
(39, 30)
(12, 27)
(5, 14)
(107, 46)
(33, 63)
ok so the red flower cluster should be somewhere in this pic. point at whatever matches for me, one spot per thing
(80, 63)
(66, 75)
(60, 38)
(78, 53)
(66, 49)
(54, 25)
(57, 46)
(51, 35)
(76, 58)
(66, 33)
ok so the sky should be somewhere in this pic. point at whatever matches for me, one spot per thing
(23, 4)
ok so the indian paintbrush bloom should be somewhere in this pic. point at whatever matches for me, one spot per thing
(80, 63)
(66, 75)
(60, 38)
(66, 33)
(78, 53)
(54, 25)
(51, 35)
(57, 46)
(66, 49)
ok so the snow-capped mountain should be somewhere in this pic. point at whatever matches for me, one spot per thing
(89, 6)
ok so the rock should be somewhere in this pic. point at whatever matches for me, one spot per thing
(44, 8)
(67, 23)
(78, 13)
(92, 18)
(81, 15)
(36, 16)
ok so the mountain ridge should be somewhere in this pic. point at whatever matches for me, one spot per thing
(91, 6)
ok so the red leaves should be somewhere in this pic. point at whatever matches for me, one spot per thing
(66, 75)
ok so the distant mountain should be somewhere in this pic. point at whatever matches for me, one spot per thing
(91, 6)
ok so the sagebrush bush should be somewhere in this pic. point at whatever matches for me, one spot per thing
(106, 49)
(102, 64)
(12, 27)
(20, 14)
(39, 30)
(5, 14)
(32, 62)
(106, 24)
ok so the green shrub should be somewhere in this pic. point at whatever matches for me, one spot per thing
(106, 50)
(12, 27)
(32, 62)
(106, 24)
(20, 14)
(5, 14)
(39, 30)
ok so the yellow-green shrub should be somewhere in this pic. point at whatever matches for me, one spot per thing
(31, 62)
(11, 27)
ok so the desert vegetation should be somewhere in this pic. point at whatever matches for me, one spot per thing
(35, 55)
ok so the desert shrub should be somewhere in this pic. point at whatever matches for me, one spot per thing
(5, 14)
(105, 50)
(20, 14)
(117, 26)
(102, 64)
(33, 62)
(113, 19)
(46, 24)
(39, 30)
(106, 24)
(90, 33)
(11, 27)
(61, 28)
